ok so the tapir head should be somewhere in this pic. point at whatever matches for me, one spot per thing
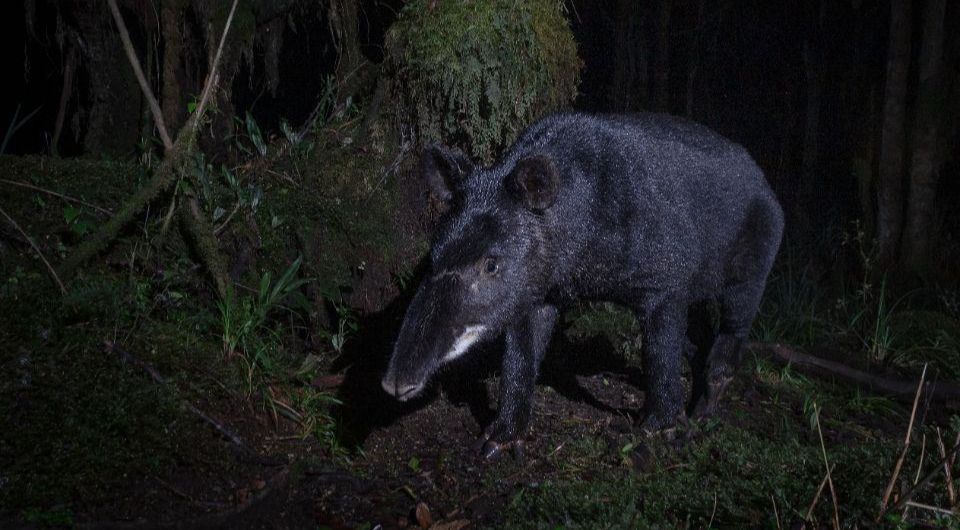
(491, 261)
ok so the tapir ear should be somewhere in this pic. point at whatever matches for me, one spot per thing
(444, 168)
(534, 182)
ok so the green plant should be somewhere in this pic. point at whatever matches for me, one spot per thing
(475, 73)
(791, 307)
(246, 332)
(255, 137)
(75, 220)
(48, 518)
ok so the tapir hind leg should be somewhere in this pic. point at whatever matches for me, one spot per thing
(740, 299)
(526, 344)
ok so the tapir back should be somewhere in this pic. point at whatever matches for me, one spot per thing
(646, 201)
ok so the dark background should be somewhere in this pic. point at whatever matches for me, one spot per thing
(800, 83)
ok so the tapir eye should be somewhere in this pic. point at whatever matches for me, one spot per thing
(490, 266)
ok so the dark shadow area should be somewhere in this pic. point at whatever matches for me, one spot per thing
(566, 360)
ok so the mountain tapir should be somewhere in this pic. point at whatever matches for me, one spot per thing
(649, 211)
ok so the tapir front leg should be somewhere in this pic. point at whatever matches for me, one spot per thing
(665, 327)
(526, 344)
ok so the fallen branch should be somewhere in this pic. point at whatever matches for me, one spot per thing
(232, 518)
(228, 434)
(893, 387)
(57, 194)
(53, 273)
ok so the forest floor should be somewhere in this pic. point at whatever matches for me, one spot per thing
(121, 406)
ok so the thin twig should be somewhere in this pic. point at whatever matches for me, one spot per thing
(930, 508)
(956, 503)
(826, 464)
(53, 273)
(144, 86)
(906, 446)
(816, 497)
(923, 482)
(951, 493)
(776, 514)
(923, 454)
(223, 225)
(57, 194)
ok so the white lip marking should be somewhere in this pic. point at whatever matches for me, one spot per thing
(464, 341)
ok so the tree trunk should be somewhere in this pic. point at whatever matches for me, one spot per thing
(628, 37)
(174, 77)
(113, 119)
(919, 233)
(890, 181)
(661, 64)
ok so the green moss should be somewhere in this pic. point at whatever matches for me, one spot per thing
(343, 216)
(75, 422)
(476, 73)
(728, 476)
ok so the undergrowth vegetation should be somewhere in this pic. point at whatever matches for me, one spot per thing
(80, 416)
(874, 323)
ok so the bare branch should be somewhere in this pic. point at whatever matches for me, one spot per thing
(144, 86)
(214, 73)
(53, 273)
(57, 194)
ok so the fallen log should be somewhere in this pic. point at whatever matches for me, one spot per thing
(896, 388)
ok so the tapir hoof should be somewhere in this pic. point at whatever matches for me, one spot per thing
(662, 426)
(493, 451)
(709, 404)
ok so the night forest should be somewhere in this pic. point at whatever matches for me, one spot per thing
(215, 214)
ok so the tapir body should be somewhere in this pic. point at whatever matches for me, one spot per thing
(653, 212)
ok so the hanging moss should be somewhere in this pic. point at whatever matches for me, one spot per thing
(475, 73)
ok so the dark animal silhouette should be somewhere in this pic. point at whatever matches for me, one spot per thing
(649, 211)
